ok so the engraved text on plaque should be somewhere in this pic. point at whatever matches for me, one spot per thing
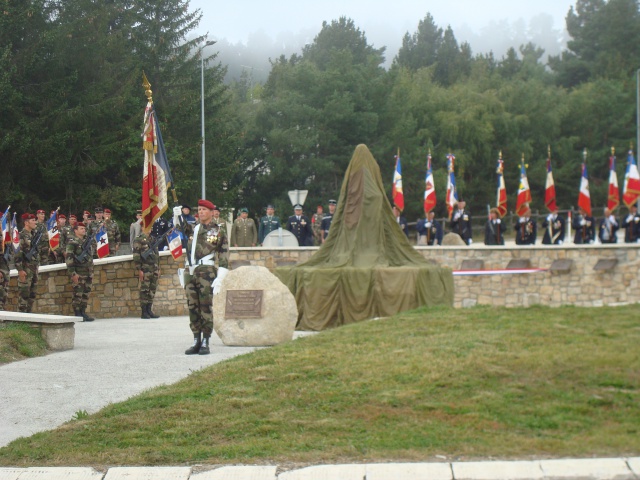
(243, 304)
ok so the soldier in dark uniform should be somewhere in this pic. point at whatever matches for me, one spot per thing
(631, 225)
(554, 229)
(328, 218)
(585, 227)
(244, 233)
(268, 224)
(526, 229)
(159, 228)
(113, 233)
(79, 262)
(300, 226)
(316, 225)
(461, 222)
(402, 222)
(494, 229)
(206, 240)
(43, 245)
(429, 230)
(148, 271)
(608, 228)
(28, 267)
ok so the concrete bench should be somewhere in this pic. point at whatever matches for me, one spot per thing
(58, 331)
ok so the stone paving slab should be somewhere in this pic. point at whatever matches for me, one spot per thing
(11, 473)
(412, 471)
(148, 473)
(597, 468)
(634, 465)
(60, 473)
(524, 470)
(248, 472)
(326, 472)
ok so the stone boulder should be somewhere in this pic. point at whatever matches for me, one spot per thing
(453, 240)
(254, 308)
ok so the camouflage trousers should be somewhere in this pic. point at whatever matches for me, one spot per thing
(149, 283)
(200, 299)
(27, 291)
(4, 287)
(81, 291)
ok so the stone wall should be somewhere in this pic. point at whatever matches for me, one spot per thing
(116, 294)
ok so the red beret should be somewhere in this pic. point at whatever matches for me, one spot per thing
(86, 212)
(41, 211)
(79, 224)
(72, 216)
(106, 210)
(206, 204)
(28, 216)
(62, 215)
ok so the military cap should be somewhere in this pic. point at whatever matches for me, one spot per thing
(244, 210)
(186, 206)
(206, 204)
(40, 211)
(62, 215)
(271, 206)
(28, 216)
(138, 212)
(79, 224)
(106, 210)
(86, 212)
(98, 210)
(72, 216)
(215, 207)
(297, 206)
(332, 202)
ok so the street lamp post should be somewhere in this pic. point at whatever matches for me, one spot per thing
(211, 42)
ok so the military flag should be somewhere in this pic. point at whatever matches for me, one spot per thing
(52, 230)
(15, 234)
(524, 193)
(396, 190)
(550, 188)
(156, 178)
(6, 229)
(175, 244)
(452, 192)
(429, 188)
(501, 197)
(631, 188)
(584, 197)
(613, 199)
(102, 242)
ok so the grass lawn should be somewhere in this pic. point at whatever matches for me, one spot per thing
(466, 384)
(18, 342)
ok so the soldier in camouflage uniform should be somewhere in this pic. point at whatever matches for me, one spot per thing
(66, 232)
(80, 268)
(4, 274)
(43, 246)
(148, 271)
(94, 227)
(113, 232)
(316, 226)
(205, 240)
(59, 251)
(28, 267)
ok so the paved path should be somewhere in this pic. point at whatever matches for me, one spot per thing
(117, 358)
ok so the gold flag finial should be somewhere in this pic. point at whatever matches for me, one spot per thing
(584, 155)
(500, 155)
(147, 87)
(548, 151)
(613, 151)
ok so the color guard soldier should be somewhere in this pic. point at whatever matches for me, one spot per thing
(206, 239)
(494, 229)
(79, 260)
(316, 226)
(28, 262)
(300, 226)
(608, 229)
(218, 220)
(526, 229)
(429, 230)
(66, 232)
(268, 224)
(631, 225)
(43, 245)
(244, 233)
(585, 227)
(328, 218)
(146, 259)
(60, 250)
(461, 222)
(113, 233)
(554, 229)
(93, 227)
(402, 222)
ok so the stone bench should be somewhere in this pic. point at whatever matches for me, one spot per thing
(58, 331)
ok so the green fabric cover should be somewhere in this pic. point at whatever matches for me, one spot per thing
(366, 268)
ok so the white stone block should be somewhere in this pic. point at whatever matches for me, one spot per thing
(519, 470)
(244, 472)
(597, 469)
(634, 465)
(326, 472)
(148, 473)
(413, 471)
(61, 473)
(11, 473)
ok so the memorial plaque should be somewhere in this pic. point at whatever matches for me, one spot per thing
(605, 264)
(475, 264)
(518, 264)
(562, 265)
(243, 304)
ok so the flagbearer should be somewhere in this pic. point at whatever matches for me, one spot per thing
(43, 245)
(429, 230)
(608, 228)
(526, 228)
(79, 262)
(631, 225)
(27, 261)
(585, 228)
(205, 240)
(113, 233)
(554, 229)
(461, 221)
(328, 218)
(148, 271)
(494, 229)
(63, 230)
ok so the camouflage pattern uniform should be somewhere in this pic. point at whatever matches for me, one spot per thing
(316, 228)
(211, 239)
(113, 232)
(4, 276)
(27, 289)
(66, 233)
(43, 246)
(150, 267)
(84, 269)
(92, 229)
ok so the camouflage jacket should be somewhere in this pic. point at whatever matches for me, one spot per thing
(141, 244)
(113, 232)
(66, 233)
(43, 246)
(74, 250)
(211, 239)
(21, 261)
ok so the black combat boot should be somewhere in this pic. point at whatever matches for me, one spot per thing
(195, 348)
(145, 312)
(85, 317)
(78, 313)
(204, 348)
(150, 313)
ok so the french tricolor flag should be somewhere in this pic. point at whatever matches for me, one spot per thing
(613, 199)
(452, 192)
(429, 188)
(102, 242)
(175, 244)
(396, 191)
(631, 189)
(584, 198)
